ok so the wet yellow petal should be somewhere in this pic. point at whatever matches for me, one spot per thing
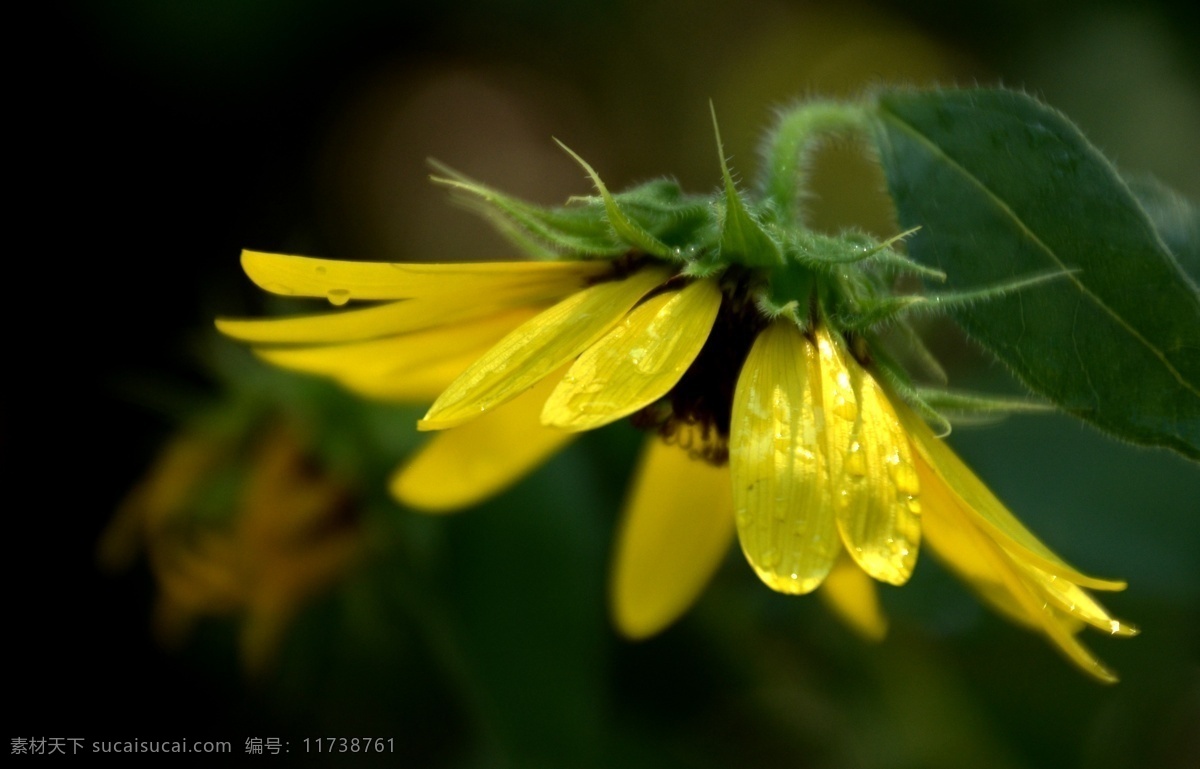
(638, 361)
(466, 465)
(870, 463)
(396, 354)
(1074, 600)
(957, 537)
(543, 344)
(384, 320)
(781, 490)
(853, 596)
(341, 281)
(988, 511)
(674, 534)
(952, 545)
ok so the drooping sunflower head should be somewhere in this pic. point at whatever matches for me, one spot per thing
(760, 353)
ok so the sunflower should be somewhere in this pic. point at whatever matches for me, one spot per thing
(285, 539)
(754, 351)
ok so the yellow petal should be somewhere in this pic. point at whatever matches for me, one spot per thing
(674, 534)
(396, 354)
(463, 466)
(781, 490)
(341, 281)
(421, 385)
(1073, 600)
(638, 361)
(369, 323)
(853, 596)
(953, 545)
(543, 344)
(957, 537)
(870, 463)
(987, 510)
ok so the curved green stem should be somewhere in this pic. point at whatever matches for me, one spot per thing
(783, 177)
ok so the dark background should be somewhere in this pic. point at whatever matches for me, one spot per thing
(158, 139)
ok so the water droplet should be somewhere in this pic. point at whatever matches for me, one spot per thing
(338, 296)
(845, 409)
(904, 476)
(321, 270)
(856, 464)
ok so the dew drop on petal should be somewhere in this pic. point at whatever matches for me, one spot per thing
(338, 296)
(904, 476)
(855, 464)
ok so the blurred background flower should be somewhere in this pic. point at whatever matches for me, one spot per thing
(171, 135)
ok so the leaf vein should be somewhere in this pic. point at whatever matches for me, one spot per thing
(1007, 211)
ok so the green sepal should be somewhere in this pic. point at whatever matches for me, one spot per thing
(829, 253)
(977, 403)
(891, 306)
(687, 224)
(577, 230)
(895, 378)
(626, 229)
(743, 239)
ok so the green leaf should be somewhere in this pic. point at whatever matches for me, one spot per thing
(1003, 187)
(1176, 218)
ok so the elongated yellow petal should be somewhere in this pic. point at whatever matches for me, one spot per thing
(870, 463)
(638, 361)
(953, 546)
(781, 490)
(395, 355)
(463, 466)
(384, 320)
(543, 344)
(341, 281)
(674, 534)
(853, 597)
(1073, 600)
(989, 511)
(958, 537)
(421, 385)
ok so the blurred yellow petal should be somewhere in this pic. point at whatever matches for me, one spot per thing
(396, 354)
(341, 281)
(421, 385)
(674, 533)
(160, 495)
(467, 464)
(543, 344)
(854, 598)
(875, 484)
(990, 511)
(638, 361)
(781, 490)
